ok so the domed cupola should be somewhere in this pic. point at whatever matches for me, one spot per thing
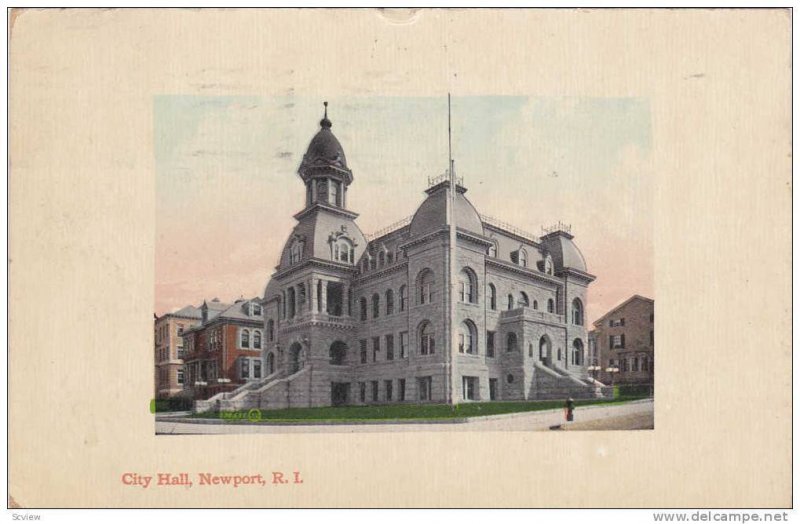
(324, 168)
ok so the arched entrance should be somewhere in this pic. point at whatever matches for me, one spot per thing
(577, 352)
(270, 363)
(338, 353)
(545, 351)
(295, 358)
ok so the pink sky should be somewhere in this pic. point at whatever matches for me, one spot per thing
(227, 185)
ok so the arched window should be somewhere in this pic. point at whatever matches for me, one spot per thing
(551, 306)
(427, 340)
(535, 304)
(510, 301)
(256, 339)
(364, 264)
(403, 297)
(245, 338)
(523, 299)
(296, 251)
(468, 286)
(511, 342)
(270, 363)
(389, 302)
(577, 312)
(492, 297)
(425, 287)
(363, 308)
(338, 353)
(468, 338)
(270, 330)
(376, 305)
(291, 303)
(523, 258)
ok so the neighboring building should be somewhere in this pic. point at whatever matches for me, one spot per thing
(624, 339)
(169, 350)
(352, 320)
(224, 350)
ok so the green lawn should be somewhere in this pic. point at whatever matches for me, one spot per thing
(404, 412)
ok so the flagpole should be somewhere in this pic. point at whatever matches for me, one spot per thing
(452, 261)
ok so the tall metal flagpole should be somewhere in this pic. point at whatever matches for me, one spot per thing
(452, 259)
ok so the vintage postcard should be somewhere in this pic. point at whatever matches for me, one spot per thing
(290, 254)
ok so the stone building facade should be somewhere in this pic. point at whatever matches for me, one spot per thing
(169, 350)
(624, 339)
(351, 320)
(223, 351)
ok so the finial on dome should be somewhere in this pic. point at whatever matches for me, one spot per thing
(325, 122)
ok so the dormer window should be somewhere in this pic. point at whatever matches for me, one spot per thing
(520, 257)
(255, 309)
(548, 265)
(296, 251)
(343, 251)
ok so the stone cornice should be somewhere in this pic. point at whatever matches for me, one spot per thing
(314, 262)
(578, 275)
(373, 274)
(528, 272)
(319, 206)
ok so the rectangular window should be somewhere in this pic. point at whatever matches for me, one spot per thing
(245, 368)
(257, 368)
(180, 329)
(362, 391)
(616, 322)
(363, 344)
(492, 389)
(374, 390)
(470, 388)
(490, 343)
(424, 387)
(180, 376)
(635, 366)
(376, 347)
(388, 387)
(404, 344)
(389, 347)
(401, 389)
(616, 341)
(403, 298)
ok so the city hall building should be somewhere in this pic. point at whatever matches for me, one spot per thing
(353, 320)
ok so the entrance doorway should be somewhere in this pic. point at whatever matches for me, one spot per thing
(340, 393)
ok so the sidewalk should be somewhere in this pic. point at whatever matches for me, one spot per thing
(527, 421)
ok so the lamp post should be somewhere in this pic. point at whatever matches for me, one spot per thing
(612, 370)
(594, 369)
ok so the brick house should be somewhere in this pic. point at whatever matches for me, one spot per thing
(351, 319)
(624, 339)
(223, 351)
(169, 350)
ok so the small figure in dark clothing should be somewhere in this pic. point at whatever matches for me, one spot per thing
(569, 407)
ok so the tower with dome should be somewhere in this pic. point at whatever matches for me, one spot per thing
(357, 320)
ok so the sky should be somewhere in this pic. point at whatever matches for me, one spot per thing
(227, 184)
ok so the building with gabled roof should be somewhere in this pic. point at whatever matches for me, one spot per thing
(622, 343)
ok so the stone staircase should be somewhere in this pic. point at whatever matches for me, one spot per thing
(559, 383)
